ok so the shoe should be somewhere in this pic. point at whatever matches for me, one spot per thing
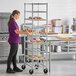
(9, 70)
(16, 69)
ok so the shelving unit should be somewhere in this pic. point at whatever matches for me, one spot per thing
(34, 48)
(68, 46)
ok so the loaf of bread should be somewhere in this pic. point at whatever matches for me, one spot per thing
(34, 56)
(30, 55)
(39, 56)
(36, 41)
(30, 31)
(30, 17)
(40, 18)
(35, 17)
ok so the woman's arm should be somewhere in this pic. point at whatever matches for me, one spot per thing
(21, 32)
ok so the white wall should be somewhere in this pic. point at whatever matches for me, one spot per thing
(10, 5)
(64, 9)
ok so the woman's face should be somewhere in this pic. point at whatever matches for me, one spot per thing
(16, 16)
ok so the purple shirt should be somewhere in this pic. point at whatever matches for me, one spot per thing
(13, 37)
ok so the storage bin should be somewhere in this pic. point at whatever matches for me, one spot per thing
(57, 29)
(57, 22)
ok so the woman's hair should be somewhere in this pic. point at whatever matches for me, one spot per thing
(13, 13)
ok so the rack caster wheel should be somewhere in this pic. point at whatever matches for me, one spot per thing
(29, 60)
(31, 71)
(23, 67)
(39, 61)
(36, 66)
(46, 71)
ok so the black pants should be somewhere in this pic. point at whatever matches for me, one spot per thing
(12, 55)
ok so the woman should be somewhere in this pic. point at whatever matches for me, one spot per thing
(13, 41)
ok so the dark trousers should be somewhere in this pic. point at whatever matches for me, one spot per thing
(12, 55)
(26, 46)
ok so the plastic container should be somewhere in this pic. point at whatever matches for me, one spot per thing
(57, 29)
(67, 28)
(64, 29)
(49, 28)
(58, 48)
(57, 22)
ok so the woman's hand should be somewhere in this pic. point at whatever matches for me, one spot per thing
(22, 32)
(27, 33)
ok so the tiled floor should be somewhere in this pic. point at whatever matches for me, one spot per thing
(58, 68)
